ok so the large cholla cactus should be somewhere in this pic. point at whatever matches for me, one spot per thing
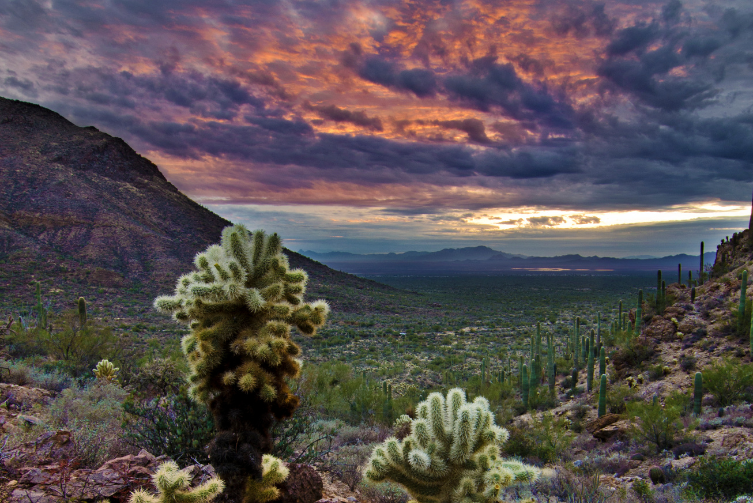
(240, 303)
(452, 454)
(174, 487)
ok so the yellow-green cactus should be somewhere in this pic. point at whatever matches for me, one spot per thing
(240, 302)
(273, 472)
(173, 486)
(452, 454)
(106, 371)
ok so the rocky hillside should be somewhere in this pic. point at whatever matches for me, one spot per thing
(80, 209)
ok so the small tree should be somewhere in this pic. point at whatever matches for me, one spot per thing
(654, 423)
(241, 302)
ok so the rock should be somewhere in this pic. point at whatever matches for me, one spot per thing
(48, 448)
(24, 398)
(734, 440)
(303, 485)
(602, 422)
(682, 463)
(24, 420)
(26, 496)
(616, 430)
(660, 328)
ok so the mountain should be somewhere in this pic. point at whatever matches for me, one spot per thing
(82, 212)
(485, 260)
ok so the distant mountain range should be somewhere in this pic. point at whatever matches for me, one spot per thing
(485, 260)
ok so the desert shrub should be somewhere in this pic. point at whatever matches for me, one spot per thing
(654, 423)
(382, 492)
(159, 377)
(543, 440)
(687, 362)
(618, 397)
(93, 415)
(23, 373)
(721, 478)
(634, 353)
(347, 464)
(729, 380)
(691, 449)
(656, 372)
(568, 486)
(541, 399)
(174, 425)
(303, 439)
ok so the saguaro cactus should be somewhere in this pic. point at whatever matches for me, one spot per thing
(590, 367)
(697, 393)
(741, 308)
(240, 303)
(526, 384)
(602, 361)
(603, 395)
(452, 454)
(82, 311)
(700, 270)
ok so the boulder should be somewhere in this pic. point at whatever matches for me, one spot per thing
(23, 398)
(660, 328)
(616, 430)
(48, 448)
(602, 422)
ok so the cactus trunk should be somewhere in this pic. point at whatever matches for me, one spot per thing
(603, 395)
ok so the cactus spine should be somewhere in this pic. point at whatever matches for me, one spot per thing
(240, 303)
(452, 454)
(273, 472)
(174, 487)
(697, 393)
(82, 311)
(603, 395)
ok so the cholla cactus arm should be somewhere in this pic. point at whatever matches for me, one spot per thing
(452, 454)
(173, 486)
(274, 472)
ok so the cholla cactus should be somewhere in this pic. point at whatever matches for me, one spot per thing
(174, 487)
(273, 473)
(452, 454)
(240, 303)
(106, 371)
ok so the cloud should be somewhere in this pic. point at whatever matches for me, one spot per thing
(545, 221)
(419, 81)
(359, 118)
(474, 127)
(584, 219)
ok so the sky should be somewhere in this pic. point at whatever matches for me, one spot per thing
(542, 127)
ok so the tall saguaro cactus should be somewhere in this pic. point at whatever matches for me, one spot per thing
(240, 303)
(700, 271)
(452, 454)
(602, 395)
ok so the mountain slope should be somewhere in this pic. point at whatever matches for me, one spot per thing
(80, 208)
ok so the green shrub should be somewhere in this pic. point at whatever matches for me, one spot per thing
(543, 440)
(25, 373)
(93, 415)
(618, 397)
(729, 380)
(174, 425)
(654, 423)
(721, 478)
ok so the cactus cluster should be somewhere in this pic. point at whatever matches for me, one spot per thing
(173, 486)
(452, 454)
(240, 303)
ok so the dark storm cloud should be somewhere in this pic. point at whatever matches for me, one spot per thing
(474, 127)
(359, 118)
(493, 86)
(420, 82)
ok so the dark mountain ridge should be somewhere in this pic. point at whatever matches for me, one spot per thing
(485, 260)
(80, 208)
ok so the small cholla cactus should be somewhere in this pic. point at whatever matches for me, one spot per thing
(174, 487)
(452, 454)
(106, 371)
(631, 381)
(273, 472)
